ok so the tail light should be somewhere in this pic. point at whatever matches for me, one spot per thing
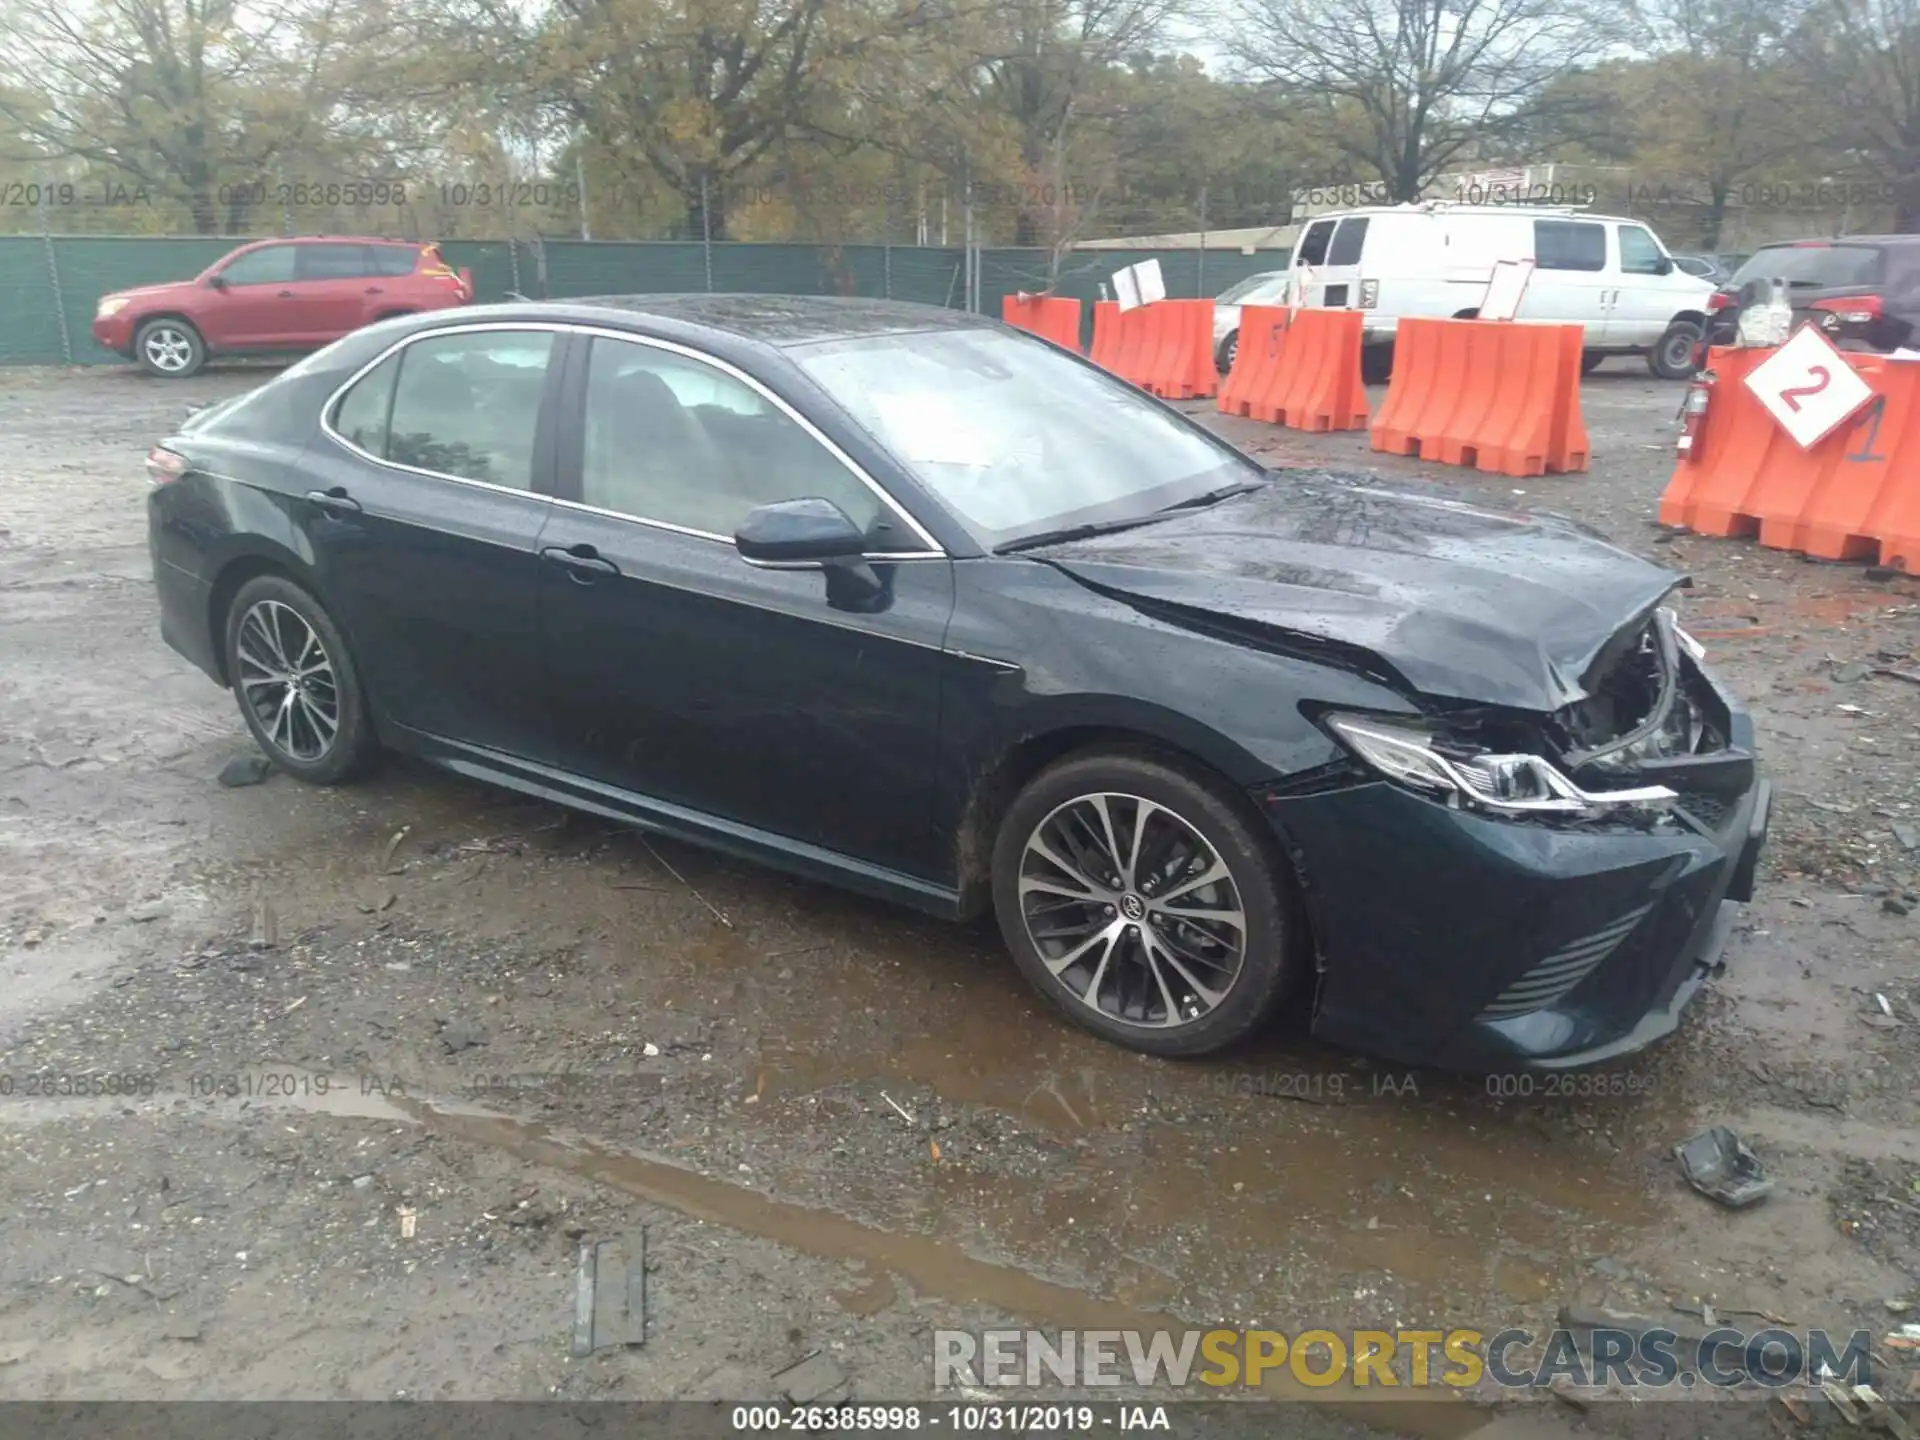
(1693, 413)
(1369, 294)
(1718, 301)
(165, 466)
(466, 283)
(1848, 310)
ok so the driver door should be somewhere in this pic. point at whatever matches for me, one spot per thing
(798, 703)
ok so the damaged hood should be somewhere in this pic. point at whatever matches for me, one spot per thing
(1490, 606)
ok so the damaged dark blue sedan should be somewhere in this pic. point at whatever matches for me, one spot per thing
(903, 600)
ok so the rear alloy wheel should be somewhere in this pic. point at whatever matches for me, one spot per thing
(1673, 357)
(1143, 905)
(296, 684)
(171, 349)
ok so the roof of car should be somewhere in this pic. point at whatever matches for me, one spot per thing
(770, 319)
(1819, 240)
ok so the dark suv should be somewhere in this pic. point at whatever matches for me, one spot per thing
(1862, 290)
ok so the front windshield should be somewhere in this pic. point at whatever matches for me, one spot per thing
(1241, 292)
(1016, 438)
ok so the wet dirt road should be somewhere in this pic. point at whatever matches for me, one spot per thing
(392, 1052)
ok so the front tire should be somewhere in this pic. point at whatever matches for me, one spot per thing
(1673, 357)
(1229, 350)
(1144, 904)
(171, 349)
(296, 684)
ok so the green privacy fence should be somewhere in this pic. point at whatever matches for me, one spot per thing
(49, 284)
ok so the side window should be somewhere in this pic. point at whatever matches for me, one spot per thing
(1640, 253)
(332, 262)
(674, 440)
(1348, 241)
(1569, 245)
(363, 412)
(1313, 244)
(270, 265)
(468, 404)
(394, 259)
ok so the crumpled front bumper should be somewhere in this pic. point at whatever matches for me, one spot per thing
(1469, 942)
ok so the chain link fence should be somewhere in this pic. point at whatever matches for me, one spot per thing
(50, 284)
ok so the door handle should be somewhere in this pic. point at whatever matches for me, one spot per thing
(374, 290)
(336, 500)
(287, 295)
(582, 562)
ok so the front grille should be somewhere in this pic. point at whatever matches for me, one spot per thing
(1556, 975)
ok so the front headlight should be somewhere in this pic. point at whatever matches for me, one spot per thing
(112, 305)
(1499, 784)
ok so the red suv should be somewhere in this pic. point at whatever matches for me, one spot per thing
(276, 295)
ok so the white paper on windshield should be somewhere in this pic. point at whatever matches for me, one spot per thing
(1151, 284)
(1505, 289)
(933, 430)
(1126, 289)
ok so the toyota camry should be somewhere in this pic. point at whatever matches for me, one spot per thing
(904, 600)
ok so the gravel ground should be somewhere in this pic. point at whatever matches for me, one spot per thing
(388, 1055)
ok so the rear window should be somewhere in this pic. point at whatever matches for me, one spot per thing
(1348, 241)
(1813, 267)
(1313, 244)
(394, 259)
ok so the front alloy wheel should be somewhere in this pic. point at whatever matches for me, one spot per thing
(1138, 900)
(1132, 911)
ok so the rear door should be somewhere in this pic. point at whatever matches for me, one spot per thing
(1572, 281)
(253, 306)
(1309, 259)
(430, 485)
(1339, 276)
(334, 287)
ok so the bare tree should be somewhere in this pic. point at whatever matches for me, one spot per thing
(1407, 88)
(1861, 60)
(184, 96)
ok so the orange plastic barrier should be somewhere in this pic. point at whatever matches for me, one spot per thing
(1853, 496)
(1165, 347)
(1494, 394)
(1263, 330)
(1105, 351)
(1312, 380)
(1049, 316)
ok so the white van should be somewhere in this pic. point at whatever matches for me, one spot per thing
(1606, 272)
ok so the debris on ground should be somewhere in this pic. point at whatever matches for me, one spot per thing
(245, 770)
(1719, 1165)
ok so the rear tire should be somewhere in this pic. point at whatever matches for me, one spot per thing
(1376, 364)
(1591, 360)
(296, 683)
(1152, 958)
(1673, 357)
(1224, 357)
(171, 349)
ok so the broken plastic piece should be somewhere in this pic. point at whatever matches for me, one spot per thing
(1719, 1165)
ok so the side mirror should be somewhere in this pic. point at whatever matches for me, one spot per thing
(1663, 266)
(798, 532)
(216, 282)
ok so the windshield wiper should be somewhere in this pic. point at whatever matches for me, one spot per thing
(1076, 532)
(1214, 497)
